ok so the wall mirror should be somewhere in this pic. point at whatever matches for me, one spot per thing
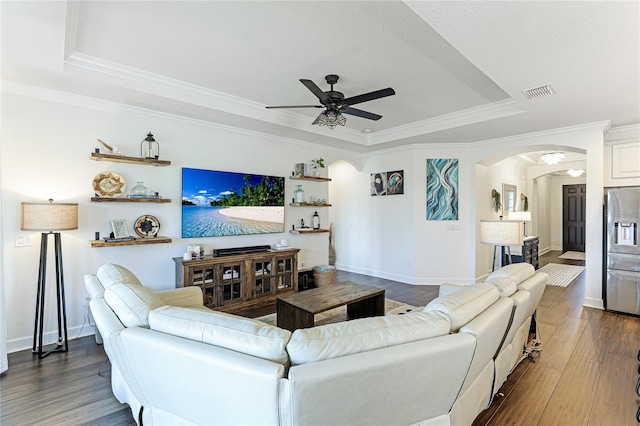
(508, 199)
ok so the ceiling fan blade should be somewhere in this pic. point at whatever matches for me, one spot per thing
(368, 97)
(360, 113)
(324, 98)
(317, 119)
(295, 106)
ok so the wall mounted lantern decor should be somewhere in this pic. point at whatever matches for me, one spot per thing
(149, 148)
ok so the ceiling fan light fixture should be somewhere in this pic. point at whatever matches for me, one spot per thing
(551, 158)
(331, 119)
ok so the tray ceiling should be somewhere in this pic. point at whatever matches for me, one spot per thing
(458, 68)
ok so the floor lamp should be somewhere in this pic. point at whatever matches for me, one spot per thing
(522, 216)
(51, 217)
(504, 233)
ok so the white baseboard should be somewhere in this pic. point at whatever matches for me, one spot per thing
(377, 274)
(401, 278)
(591, 302)
(49, 338)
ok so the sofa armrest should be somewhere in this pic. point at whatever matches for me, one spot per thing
(185, 297)
(449, 288)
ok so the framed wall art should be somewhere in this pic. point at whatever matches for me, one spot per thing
(120, 229)
(387, 183)
(442, 189)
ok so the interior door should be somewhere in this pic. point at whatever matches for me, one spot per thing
(574, 201)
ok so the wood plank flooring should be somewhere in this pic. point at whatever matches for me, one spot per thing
(585, 375)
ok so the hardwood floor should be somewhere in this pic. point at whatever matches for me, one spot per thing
(585, 375)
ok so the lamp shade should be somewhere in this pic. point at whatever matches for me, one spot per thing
(501, 232)
(49, 216)
(523, 216)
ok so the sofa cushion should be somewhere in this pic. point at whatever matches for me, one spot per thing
(517, 272)
(132, 303)
(506, 286)
(110, 273)
(245, 335)
(463, 305)
(361, 335)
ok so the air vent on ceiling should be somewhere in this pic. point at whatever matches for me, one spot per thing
(539, 92)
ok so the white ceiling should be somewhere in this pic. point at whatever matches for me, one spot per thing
(458, 68)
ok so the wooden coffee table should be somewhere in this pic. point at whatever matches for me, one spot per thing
(298, 310)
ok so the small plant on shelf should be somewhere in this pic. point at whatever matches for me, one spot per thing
(317, 163)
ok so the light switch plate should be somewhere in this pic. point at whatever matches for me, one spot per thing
(23, 241)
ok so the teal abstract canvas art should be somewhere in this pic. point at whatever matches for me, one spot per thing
(442, 189)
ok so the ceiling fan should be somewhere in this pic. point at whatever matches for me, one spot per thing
(336, 104)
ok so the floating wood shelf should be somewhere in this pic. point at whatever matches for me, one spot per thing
(308, 231)
(310, 204)
(319, 179)
(131, 160)
(136, 242)
(129, 200)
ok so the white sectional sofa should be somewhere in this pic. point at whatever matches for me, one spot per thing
(180, 363)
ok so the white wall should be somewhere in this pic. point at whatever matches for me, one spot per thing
(46, 147)
(389, 236)
(372, 235)
(541, 203)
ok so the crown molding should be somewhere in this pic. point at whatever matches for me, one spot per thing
(465, 117)
(598, 125)
(81, 101)
(623, 134)
(155, 84)
(71, 27)
(158, 85)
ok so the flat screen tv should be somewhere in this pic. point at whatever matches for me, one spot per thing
(217, 203)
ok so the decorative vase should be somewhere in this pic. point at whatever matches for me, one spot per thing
(139, 190)
(332, 249)
(298, 195)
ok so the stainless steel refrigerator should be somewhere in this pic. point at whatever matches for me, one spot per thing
(621, 291)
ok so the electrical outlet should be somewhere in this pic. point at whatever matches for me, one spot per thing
(23, 241)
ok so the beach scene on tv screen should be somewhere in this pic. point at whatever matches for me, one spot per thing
(218, 203)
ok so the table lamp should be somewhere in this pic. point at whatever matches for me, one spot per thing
(503, 233)
(51, 217)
